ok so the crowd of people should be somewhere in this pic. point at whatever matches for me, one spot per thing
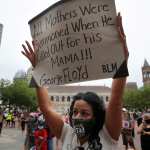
(11, 119)
(39, 137)
(133, 125)
(32, 125)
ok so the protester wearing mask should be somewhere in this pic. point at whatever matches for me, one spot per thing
(144, 130)
(31, 127)
(41, 135)
(1, 121)
(87, 116)
(92, 127)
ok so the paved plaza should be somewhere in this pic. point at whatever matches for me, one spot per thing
(12, 139)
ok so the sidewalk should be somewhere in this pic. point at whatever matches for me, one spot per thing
(11, 139)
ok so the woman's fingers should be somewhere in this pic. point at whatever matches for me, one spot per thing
(123, 38)
(28, 56)
(24, 53)
(29, 53)
(29, 47)
(34, 45)
(120, 27)
(28, 50)
(119, 24)
(25, 49)
(122, 35)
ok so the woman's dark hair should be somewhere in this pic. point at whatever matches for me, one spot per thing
(98, 108)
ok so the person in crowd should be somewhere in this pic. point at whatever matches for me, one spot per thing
(4, 118)
(144, 131)
(139, 119)
(13, 121)
(133, 123)
(23, 123)
(41, 135)
(91, 125)
(8, 119)
(31, 127)
(1, 122)
(127, 129)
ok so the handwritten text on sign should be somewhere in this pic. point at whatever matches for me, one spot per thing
(78, 41)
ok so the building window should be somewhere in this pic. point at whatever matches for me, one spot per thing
(71, 98)
(145, 75)
(52, 98)
(63, 98)
(68, 99)
(107, 98)
(148, 74)
(57, 98)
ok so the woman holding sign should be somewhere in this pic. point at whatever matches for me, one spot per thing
(92, 127)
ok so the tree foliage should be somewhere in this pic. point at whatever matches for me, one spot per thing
(137, 99)
(18, 93)
(4, 83)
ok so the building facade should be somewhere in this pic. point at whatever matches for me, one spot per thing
(63, 95)
(131, 86)
(146, 73)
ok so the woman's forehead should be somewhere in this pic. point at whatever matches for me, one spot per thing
(82, 104)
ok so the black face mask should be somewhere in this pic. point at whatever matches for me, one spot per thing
(83, 127)
(147, 121)
(79, 148)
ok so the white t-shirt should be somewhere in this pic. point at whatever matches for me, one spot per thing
(69, 139)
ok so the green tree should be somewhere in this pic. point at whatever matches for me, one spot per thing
(137, 99)
(19, 94)
(145, 95)
(4, 83)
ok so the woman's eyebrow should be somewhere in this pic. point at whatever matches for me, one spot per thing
(83, 109)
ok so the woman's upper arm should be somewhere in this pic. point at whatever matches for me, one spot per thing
(140, 128)
(53, 119)
(54, 122)
(114, 110)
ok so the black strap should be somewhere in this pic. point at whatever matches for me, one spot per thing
(122, 71)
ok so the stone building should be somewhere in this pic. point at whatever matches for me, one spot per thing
(146, 73)
(62, 95)
(131, 86)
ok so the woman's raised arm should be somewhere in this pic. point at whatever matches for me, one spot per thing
(53, 119)
(114, 110)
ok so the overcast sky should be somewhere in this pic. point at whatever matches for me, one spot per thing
(15, 14)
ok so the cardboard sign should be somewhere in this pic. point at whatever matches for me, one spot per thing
(1, 29)
(78, 41)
